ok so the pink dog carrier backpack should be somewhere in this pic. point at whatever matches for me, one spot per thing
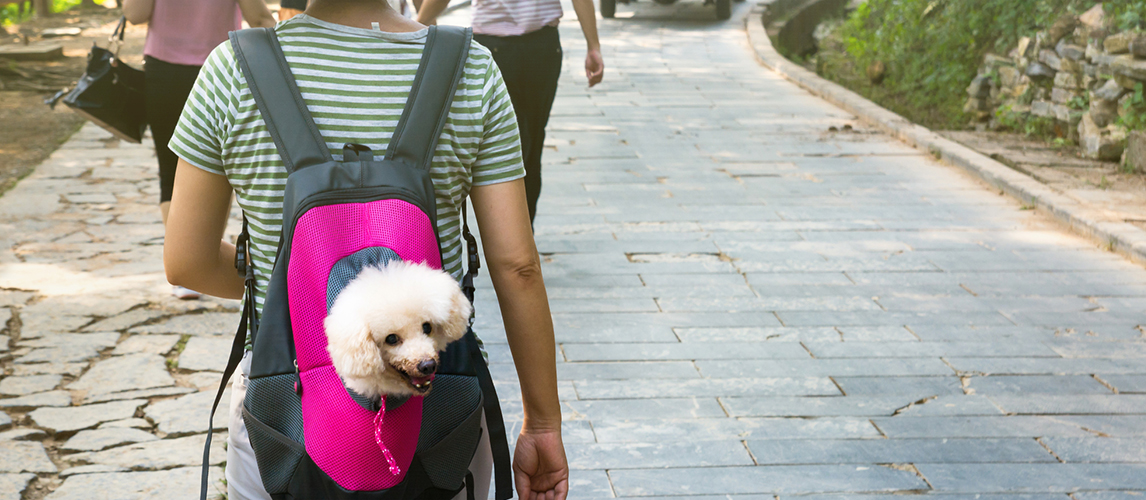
(313, 437)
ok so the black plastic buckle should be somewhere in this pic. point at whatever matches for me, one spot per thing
(241, 264)
(356, 152)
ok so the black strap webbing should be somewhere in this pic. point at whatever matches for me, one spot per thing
(495, 424)
(242, 263)
(292, 128)
(474, 262)
(432, 96)
(273, 87)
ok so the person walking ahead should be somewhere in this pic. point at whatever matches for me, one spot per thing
(522, 35)
(180, 35)
(355, 80)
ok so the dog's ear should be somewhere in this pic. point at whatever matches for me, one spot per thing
(351, 346)
(458, 320)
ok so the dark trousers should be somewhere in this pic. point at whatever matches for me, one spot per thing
(530, 65)
(167, 88)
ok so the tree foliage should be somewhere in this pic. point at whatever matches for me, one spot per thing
(933, 48)
(10, 13)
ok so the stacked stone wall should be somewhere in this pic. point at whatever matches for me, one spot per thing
(1079, 73)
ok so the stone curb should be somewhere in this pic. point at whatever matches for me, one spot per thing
(1118, 235)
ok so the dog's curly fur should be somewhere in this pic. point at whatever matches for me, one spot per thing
(398, 299)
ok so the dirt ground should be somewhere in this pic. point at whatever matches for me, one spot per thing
(1105, 186)
(29, 129)
(1099, 184)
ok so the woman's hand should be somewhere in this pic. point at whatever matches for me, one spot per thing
(256, 13)
(594, 66)
(540, 470)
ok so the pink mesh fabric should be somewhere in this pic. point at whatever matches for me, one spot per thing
(323, 235)
(338, 433)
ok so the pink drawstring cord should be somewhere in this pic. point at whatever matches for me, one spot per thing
(394, 469)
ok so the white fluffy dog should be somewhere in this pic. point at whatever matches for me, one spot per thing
(386, 328)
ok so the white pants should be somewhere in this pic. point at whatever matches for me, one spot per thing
(244, 482)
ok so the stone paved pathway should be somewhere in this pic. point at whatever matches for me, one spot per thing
(754, 296)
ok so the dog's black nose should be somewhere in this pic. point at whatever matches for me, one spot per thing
(428, 366)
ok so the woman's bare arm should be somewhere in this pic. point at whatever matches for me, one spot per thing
(540, 467)
(256, 13)
(429, 10)
(594, 63)
(138, 11)
(194, 253)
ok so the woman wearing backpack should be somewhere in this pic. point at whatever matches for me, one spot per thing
(180, 34)
(354, 62)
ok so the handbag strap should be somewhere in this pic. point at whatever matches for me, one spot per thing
(292, 128)
(115, 40)
(274, 89)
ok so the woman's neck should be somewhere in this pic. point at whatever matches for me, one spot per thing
(362, 14)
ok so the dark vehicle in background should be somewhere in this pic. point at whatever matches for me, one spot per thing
(723, 7)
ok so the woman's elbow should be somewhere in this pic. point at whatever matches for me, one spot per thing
(137, 16)
(522, 272)
(175, 274)
(177, 267)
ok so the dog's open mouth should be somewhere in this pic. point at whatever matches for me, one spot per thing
(421, 385)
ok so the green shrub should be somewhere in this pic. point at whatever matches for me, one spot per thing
(1134, 117)
(1025, 123)
(1126, 14)
(933, 48)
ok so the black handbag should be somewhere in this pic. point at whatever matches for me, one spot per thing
(110, 93)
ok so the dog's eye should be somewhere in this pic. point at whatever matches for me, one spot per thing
(427, 328)
(392, 339)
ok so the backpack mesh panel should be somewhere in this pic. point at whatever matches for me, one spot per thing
(452, 400)
(325, 235)
(451, 429)
(273, 402)
(340, 432)
(344, 439)
(277, 461)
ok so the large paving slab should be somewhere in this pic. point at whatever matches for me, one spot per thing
(137, 485)
(12, 486)
(936, 308)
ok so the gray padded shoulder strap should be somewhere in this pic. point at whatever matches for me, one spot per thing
(441, 68)
(276, 94)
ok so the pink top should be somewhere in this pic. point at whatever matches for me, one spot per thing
(514, 17)
(186, 31)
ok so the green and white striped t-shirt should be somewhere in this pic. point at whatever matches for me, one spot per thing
(355, 83)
